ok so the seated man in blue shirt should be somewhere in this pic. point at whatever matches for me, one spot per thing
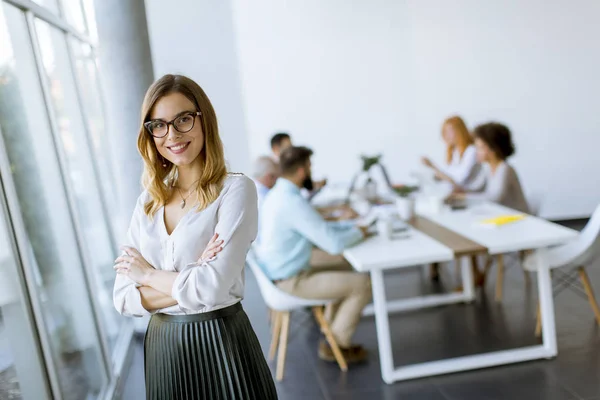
(289, 227)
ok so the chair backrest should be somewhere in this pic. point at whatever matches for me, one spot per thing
(583, 250)
(274, 297)
(534, 201)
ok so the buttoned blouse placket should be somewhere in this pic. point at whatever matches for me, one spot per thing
(169, 254)
(168, 242)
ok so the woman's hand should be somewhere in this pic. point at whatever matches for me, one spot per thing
(213, 248)
(348, 213)
(458, 190)
(456, 197)
(427, 162)
(134, 266)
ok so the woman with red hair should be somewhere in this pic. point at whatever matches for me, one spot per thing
(461, 168)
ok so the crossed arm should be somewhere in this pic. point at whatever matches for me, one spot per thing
(157, 285)
(153, 300)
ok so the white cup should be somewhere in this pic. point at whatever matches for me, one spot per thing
(384, 228)
(405, 207)
(436, 204)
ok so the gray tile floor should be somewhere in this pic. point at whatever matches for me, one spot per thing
(440, 333)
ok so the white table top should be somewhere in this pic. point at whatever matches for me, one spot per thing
(410, 249)
(529, 233)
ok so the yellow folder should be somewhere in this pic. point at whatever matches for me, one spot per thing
(503, 220)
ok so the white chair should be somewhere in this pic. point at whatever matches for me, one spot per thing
(534, 200)
(282, 304)
(567, 263)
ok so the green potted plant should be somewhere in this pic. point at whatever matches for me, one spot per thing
(405, 190)
(405, 204)
(368, 162)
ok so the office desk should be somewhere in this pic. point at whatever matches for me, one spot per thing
(443, 237)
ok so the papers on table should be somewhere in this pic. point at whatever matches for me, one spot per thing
(502, 220)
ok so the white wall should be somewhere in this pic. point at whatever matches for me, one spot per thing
(195, 38)
(347, 77)
(326, 71)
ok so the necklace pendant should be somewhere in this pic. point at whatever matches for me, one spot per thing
(182, 204)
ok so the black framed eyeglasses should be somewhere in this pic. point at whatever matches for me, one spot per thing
(183, 123)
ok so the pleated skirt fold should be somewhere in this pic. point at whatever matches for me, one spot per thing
(213, 355)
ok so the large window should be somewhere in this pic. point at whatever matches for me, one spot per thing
(19, 377)
(81, 173)
(56, 273)
(51, 5)
(91, 98)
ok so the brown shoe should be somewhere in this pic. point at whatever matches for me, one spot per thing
(353, 354)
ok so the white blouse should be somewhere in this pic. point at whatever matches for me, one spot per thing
(464, 170)
(199, 287)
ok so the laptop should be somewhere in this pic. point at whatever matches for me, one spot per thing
(386, 178)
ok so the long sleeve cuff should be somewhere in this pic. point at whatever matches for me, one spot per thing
(196, 287)
(131, 303)
(352, 236)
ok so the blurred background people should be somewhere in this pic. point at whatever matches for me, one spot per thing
(264, 173)
(290, 227)
(494, 146)
(279, 142)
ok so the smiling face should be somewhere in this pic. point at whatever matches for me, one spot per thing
(180, 148)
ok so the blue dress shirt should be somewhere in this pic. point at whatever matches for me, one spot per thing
(290, 226)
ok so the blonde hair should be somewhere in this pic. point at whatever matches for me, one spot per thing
(463, 137)
(158, 180)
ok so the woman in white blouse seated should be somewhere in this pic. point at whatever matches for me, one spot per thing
(494, 146)
(462, 168)
(199, 343)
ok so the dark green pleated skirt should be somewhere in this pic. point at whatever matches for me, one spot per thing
(213, 355)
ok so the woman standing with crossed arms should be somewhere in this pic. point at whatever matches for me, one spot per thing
(184, 263)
